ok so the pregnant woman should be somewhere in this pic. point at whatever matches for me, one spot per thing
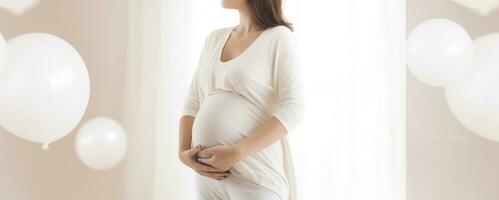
(244, 98)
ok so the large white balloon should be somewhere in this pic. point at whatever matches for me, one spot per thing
(44, 88)
(482, 7)
(18, 7)
(475, 99)
(3, 52)
(439, 51)
(101, 143)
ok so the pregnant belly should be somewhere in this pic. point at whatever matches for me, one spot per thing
(225, 118)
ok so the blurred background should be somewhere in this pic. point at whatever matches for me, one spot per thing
(445, 160)
(98, 30)
(124, 42)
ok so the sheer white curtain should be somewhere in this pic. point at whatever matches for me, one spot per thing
(351, 145)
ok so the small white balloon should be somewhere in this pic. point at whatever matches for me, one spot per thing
(439, 51)
(475, 99)
(101, 143)
(18, 7)
(44, 88)
(482, 7)
(3, 52)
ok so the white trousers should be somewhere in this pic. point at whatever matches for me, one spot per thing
(233, 187)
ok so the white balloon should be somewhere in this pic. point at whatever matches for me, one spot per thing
(101, 143)
(3, 52)
(475, 99)
(18, 7)
(439, 51)
(44, 89)
(482, 7)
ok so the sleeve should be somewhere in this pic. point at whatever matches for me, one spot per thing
(192, 99)
(288, 84)
(191, 102)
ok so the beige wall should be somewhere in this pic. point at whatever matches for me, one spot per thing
(97, 28)
(445, 161)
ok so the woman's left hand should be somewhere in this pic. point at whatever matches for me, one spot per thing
(223, 156)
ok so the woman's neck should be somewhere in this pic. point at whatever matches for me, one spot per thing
(246, 23)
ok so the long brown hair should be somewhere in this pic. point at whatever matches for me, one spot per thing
(268, 13)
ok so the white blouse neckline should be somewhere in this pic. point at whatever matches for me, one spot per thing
(225, 40)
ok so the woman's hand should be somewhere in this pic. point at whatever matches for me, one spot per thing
(223, 156)
(188, 157)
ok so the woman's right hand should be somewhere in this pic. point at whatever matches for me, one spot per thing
(188, 157)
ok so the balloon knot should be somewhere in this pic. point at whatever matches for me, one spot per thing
(46, 146)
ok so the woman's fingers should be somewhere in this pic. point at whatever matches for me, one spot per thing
(214, 175)
(218, 173)
(206, 160)
(209, 150)
(202, 165)
(205, 168)
(193, 151)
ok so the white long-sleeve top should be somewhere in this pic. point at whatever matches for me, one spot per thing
(267, 75)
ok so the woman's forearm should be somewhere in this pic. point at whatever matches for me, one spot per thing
(264, 136)
(185, 132)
